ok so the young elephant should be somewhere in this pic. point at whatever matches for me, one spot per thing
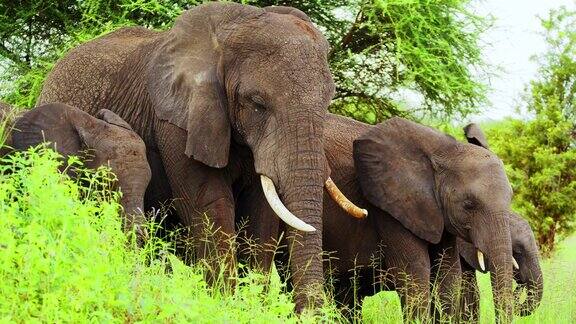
(109, 139)
(422, 189)
(527, 272)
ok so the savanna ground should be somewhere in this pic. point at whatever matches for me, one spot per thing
(65, 258)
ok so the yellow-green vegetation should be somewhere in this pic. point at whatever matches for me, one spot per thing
(64, 258)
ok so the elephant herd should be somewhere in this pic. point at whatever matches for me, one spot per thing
(225, 115)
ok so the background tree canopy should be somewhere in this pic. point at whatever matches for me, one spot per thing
(539, 153)
(381, 50)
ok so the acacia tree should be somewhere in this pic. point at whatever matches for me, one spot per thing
(379, 48)
(35, 33)
(540, 154)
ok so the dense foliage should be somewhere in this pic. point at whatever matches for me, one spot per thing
(539, 153)
(65, 258)
(381, 50)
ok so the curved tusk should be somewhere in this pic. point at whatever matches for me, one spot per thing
(481, 260)
(343, 202)
(515, 264)
(279, 208)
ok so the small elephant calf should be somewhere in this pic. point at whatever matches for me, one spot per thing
(527, 272)
(109, 140)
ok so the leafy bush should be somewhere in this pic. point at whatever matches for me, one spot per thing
(540, 153)
(379, 48)
(541, 165)
(65, 258)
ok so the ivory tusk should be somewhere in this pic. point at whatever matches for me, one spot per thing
(342, 201)
(515, 264)
(279, 208)
(481, 260)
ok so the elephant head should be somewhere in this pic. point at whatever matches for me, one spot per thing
(104, 140)
(430, 182)
(528, 274)
(527, 271)
(257, 77)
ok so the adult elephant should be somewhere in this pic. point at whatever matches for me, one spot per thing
(225, 80)
(527, 271)
(422, 189)
(102, 140)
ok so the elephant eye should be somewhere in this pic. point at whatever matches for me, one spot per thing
(258, 103)
(469, 204)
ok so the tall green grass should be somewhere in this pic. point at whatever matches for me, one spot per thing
(65, 258)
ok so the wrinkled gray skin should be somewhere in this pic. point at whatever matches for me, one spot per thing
(529, 275)
(226, 82)
(102, 140)
(417, 185)
(435, 185)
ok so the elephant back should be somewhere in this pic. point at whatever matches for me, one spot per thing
(85, 77)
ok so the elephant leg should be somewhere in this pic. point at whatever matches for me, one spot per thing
(158, 195)
(351, 291)
(412, 285)
(259, 228)
(470, 299)
(446, 277)
(203, 198)
(407, 261)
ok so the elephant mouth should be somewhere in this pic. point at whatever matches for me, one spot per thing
(482, 264)
(289, 218)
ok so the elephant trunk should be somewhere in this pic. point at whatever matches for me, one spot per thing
(294, 160)
(133, 179)
(529, 276)
(501, 278)
(302, 191)
(303, 194)
(133, 204)
(493, 239)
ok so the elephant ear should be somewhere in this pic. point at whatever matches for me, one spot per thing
(111, 118)
(185, 79)
(393, 162)
(47, 123)
(475, 136)
(283, 10)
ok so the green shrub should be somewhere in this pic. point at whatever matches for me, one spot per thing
(539, 153)
(65, 258)
(541, 166)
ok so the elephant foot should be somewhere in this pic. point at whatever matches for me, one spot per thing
(308, 299)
